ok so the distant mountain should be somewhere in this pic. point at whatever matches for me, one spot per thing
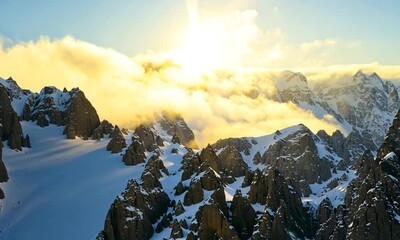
(364, 106)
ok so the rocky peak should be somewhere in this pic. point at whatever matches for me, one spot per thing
(297, 156)
(293, 87)
(370, 81)
(213, 224)
(175, 125)
(289, 79)
(117, 142)
(11, 129)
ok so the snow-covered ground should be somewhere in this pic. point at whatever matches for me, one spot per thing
(65, 185)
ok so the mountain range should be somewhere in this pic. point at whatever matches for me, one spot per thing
(63, 171)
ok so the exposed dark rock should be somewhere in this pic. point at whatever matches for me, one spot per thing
(372, 199)
(159, 141)
(179, 189)
(333, 183)
(271, 189)
(174, 151)
(296, 156)
(26, 142)
(132, 214)
(240, 144)
(194, 194)
(179, 209)
(213, 224)
(191, 236)
(126, 223)
(257, 158)
(146, 135)
(208, 156)
(232, 162)
(98, 133)
(190, 165)
(209, 181)
(218, 197)
(81, 118)
(175, 139)
(174, 125)
(325, 211)
(3, 170)
(184, 224)
(107, 127)
(248, 178)
(134, 154)
(243, 215)
(176, 230)
(11, 128)
(117, 142)
(155, 166)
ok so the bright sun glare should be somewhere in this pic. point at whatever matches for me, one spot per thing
(203, 46)
(201, 50)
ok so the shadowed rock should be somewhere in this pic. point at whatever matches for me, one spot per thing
(213, 224)
(117, 142)
(11, 128)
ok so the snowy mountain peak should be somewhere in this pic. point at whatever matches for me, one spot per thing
(372, 80)
(290, 80)
(359, 73)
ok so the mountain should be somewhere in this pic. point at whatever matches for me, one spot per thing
(364, 106)
(62, 166)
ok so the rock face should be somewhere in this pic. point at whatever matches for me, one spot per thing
(105, 127)
(10, 127)
(284, 213)
(3, 170)
(373, 206)
(53, 106)
(174, 124)
(117, 142)
(296, 152)
(366, 102)
(296, 156)
(132, 214)
(81, 118)
(243, 215)
(213, 224)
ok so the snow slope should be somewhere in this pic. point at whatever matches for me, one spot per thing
(67, 185)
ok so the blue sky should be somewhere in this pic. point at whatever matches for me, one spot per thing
(134, 27)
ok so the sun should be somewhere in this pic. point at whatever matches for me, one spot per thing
(202, 48)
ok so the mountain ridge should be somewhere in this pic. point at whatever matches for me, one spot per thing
(274, 186)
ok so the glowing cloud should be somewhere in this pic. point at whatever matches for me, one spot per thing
(127, 91)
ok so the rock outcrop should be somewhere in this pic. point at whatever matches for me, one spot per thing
(81, 118)
(212, 224)
(132, 214)
(243, 215)
(284, 213)
(174, 125)
(10, 126)
(296, 156)
(3, 170)
(53, 106)
(117, 142)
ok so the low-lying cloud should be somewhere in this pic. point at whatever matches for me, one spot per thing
(127, 91)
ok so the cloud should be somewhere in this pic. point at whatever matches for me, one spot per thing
(127, 90)
(317, 44)
(337, 73)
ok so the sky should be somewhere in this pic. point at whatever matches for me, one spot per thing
(200, 58)
(367, 27)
